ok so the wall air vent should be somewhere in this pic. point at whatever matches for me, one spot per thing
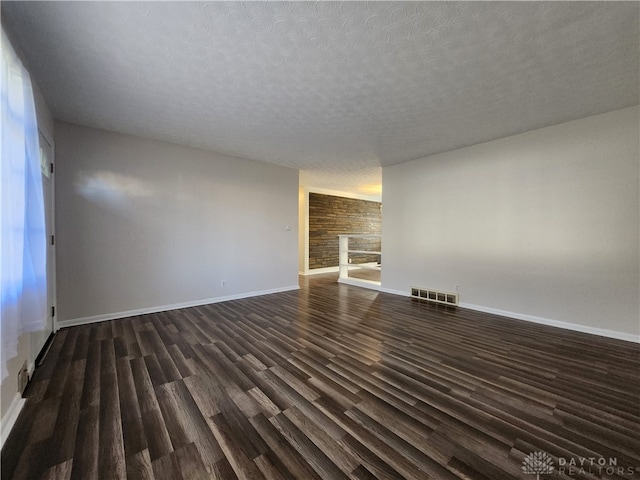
(435, 296)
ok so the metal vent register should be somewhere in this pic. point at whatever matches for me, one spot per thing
(435, 296)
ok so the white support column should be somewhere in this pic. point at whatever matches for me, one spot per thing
(343, 259)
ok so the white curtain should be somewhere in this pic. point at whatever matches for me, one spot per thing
(23, 277)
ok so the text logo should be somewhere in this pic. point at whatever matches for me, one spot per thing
(537, 463)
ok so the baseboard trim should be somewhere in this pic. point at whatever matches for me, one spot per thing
(629, 337)
(163, 308)
(9, 419)
(603, 332)
(317, 271)
(395, 292)
(356, 282)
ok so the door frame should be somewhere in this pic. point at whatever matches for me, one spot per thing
(38, 346)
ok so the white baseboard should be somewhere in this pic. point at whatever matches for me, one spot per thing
(603, 332)
(356, 282)
(316, 271)
(163, 308)
(395, 292)
(9, 419)
(629, 337)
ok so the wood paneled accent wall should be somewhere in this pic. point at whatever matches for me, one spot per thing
(330, 216)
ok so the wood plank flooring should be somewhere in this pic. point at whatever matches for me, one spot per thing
(330, 382)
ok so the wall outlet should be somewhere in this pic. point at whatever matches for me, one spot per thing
(223, 284)
(457, 288)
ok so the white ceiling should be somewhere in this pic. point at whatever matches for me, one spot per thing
(337, 89)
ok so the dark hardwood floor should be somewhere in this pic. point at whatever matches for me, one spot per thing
(330, 382)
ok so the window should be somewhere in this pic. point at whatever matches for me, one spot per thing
(23, 278)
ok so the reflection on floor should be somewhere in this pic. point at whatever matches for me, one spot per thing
(365, 274)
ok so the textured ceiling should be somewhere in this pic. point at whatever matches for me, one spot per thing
(337, 89)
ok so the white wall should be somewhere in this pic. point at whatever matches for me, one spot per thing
(142, 225)
(543, 225)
